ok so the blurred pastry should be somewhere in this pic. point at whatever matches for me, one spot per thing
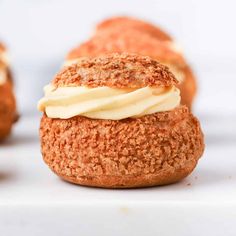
(133, 41)
(116, 121)
(7, 98)
(123, 23)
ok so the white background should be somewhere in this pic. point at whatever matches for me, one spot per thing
(40, 33)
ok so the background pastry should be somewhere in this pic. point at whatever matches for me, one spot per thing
(134, 41)
(115, 121)
(7, 98)
(124, 23)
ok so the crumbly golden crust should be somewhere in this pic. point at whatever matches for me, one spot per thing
(125, 23)
(188, 87)
(156, 149)
(116, 70)
(7, 109)
(129, 41)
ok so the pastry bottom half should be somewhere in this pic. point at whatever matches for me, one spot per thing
(156, 149)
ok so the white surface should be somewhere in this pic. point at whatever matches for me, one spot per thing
(33, 201)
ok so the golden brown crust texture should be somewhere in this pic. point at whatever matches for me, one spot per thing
(116, 70)
(7, 109)
(125, 23)
(152, 150)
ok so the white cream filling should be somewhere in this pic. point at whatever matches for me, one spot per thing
(107, 103)
(175, 46)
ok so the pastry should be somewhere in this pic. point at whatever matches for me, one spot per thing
(123, 23)
(7, 98)
(133, 41)
(115, 121)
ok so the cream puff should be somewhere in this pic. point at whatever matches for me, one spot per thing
(123, 23)
(116, 121)
(7, 99)
(133, 41)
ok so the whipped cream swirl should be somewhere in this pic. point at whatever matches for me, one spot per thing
(106, 102)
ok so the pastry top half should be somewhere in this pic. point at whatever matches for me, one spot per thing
(131, 41)
(116, 70)
(115, 86)
(123, 23)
